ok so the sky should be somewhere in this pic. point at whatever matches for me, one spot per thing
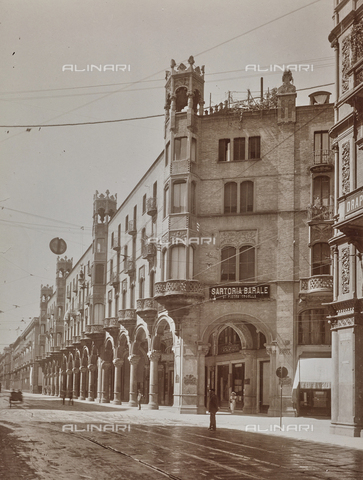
(51, 168)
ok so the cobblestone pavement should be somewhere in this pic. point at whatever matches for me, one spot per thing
(43, 439)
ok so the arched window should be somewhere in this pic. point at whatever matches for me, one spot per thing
(228, 264)
(247, 263)
(321, 191)
(152, 283)
(230, 197)
(321, 259)
(246, 198)
(229, 341)
(132, 296)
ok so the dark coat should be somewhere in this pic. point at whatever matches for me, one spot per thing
(213, 403)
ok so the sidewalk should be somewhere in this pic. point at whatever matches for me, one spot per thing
(300, 428)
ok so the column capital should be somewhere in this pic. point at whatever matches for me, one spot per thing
(271, 349)
(203, 348)
(154, 355)
(134, 359)
(92, 367)
(106, 365)
(118, 362)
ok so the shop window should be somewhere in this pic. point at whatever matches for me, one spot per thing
(179, 197)
(239, 146)
(180, 148)
(228, 264)
(247, 263)
(321, 259)
(254, 147)
(230, 197)
(313, 328)
(224, 151)
(246, 197)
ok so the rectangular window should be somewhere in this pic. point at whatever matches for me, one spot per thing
(179, 197)
(126, 223)
(230, 197)
(246, 197)
(166, 202)
(178, 263)
(321, 147)
(254, 147)
(228, 264)
(167, 154)
(180, 148)
(224, 152)
(247, 264)
(239, 145)
(144, 204)
(193, 155)
(155, 190)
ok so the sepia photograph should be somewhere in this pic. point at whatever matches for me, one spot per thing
(181, 247)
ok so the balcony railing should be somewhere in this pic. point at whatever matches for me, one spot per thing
(94, 332)
(319, 212)
(323, 161)
(131, 227)
(114, 279)
(146, 308)
(174, 293)
(129, 266)
(151, 207)
(317, 284)
(148, 250)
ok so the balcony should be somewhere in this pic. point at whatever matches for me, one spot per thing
(131, 227)
(148, 250)
(114, 279)
(317, 285)
(147, 309)
(111, 325)
(55, 349)
(129, 266)
(320, 213)
(116, 244)
(323, 161)
(151, 207)
(76, 340)
(175, 294)
(94, 332)
(127, 318)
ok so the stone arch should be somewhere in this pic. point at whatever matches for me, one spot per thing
(163, 323)
(238, 320)
(181, 98)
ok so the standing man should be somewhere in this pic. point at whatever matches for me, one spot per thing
(139, 398)
(213, 409)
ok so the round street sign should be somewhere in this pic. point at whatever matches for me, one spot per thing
(58, 246)
(282, 372)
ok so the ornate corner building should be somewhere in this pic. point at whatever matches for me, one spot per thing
(347, 243)
(214, 270)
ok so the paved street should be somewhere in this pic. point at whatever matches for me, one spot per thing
(43, 439)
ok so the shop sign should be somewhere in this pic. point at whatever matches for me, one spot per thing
(354, 202)
(239, 292)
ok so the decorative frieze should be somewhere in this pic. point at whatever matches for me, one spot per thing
(238, 238)
(346, 168)
(345, 63)
(345, 260)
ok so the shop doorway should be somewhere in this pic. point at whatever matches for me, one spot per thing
(230, 378)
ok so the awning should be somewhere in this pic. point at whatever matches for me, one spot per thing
(313, 373)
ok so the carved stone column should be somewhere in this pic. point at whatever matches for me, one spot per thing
(56, 382)
(134, 360)
(52, 386)
(117, 383)
(273, 409)
(250, 388)
(75, 382)
(91, 382)
(105, 397)
(154, 357)
(99, 380)
(203, 349)
(82, 383)
(69, 381)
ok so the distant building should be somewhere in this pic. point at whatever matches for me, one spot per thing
(346, 310)
(214, 270)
